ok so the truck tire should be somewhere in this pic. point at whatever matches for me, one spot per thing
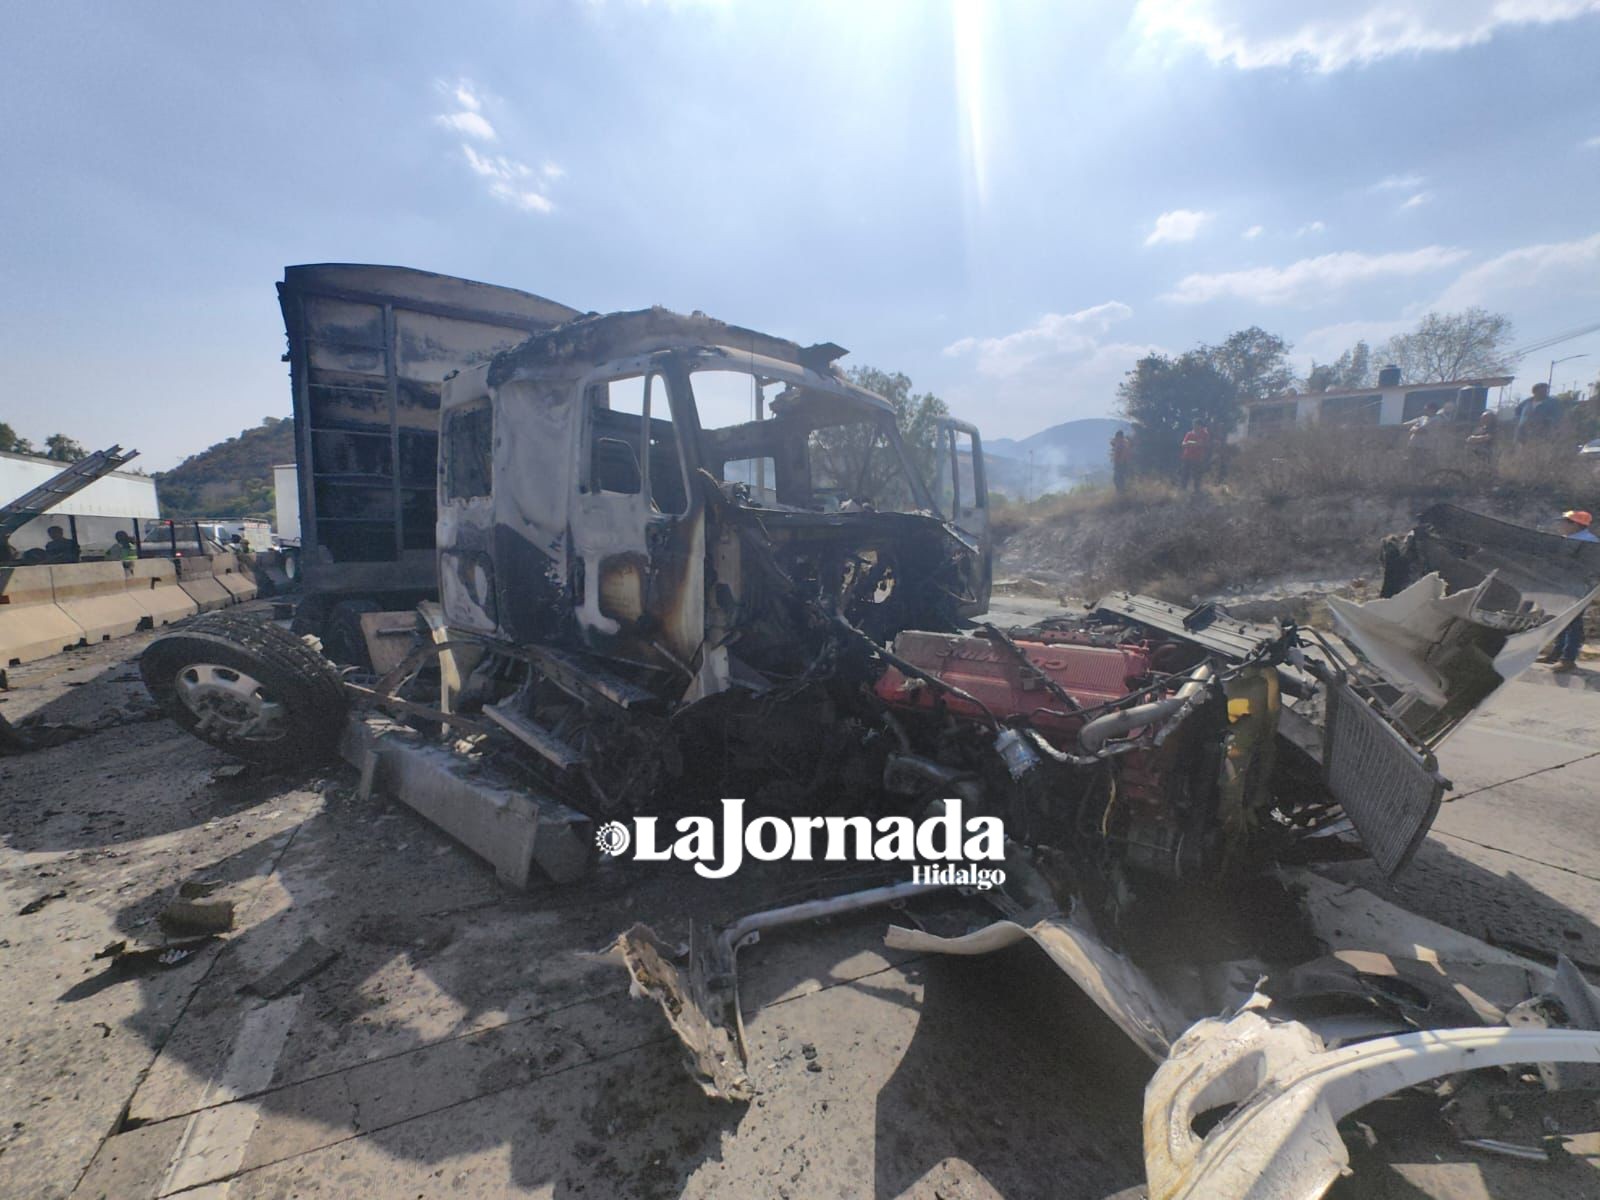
(249, 688)
(342, 639)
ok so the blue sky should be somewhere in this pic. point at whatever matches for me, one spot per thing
(1009, 201)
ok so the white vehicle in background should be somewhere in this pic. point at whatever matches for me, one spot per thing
(200, 536)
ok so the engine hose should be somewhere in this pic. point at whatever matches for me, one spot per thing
(1093, 736)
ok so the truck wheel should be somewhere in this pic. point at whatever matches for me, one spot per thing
(248, 688)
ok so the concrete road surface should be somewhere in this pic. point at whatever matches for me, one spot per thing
(465, 1041)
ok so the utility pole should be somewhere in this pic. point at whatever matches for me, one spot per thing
(1555, 362)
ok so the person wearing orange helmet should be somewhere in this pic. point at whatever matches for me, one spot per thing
(1577, 525)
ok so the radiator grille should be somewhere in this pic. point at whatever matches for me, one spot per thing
(1390, 792)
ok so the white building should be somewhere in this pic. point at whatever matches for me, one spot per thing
(1389, 403)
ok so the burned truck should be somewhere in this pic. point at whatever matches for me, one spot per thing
(680, 561)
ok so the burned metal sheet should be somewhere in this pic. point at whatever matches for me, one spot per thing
(1119, 988)
(714, 1061)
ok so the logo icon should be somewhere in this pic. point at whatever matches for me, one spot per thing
(612, 838)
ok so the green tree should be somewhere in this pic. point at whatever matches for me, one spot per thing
(1254, 361)
(11, 443)
(855, 458)
(1352, 369)
(1448, 346)
(1162, 397)
(63, 449)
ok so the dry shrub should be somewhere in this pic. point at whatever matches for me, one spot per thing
(1377, 462)
(1311, 503)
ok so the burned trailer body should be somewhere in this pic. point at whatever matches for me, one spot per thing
(368, 349)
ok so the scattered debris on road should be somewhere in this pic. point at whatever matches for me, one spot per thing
(34, 905)
(197, 916)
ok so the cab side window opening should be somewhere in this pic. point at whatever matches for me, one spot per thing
(956, 487)
(623, 442)
(469, 456)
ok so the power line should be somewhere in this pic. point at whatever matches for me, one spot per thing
(1553, 340)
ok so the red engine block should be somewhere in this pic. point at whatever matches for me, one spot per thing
(1091, 675)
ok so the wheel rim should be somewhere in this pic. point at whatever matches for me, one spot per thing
(227, 701)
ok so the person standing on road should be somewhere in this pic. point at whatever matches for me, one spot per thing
(1192, 455)
(123, 549)
(1121, 459)
(1574, 524)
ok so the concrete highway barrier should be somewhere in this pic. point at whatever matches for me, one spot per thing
(46, 609)
(153, 585)
(31, 626)
(95, 595)
(196, 578)
(226, 568)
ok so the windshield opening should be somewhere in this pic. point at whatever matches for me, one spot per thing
(775, 444)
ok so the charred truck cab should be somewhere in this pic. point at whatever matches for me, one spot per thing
(594, 496)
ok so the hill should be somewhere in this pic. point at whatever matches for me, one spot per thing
(1051, 460)
(230, 479)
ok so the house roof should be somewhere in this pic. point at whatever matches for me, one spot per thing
(1479, 381)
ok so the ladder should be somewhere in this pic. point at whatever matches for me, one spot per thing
(57, 488)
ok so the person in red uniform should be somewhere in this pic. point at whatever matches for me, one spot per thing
(1192, 455)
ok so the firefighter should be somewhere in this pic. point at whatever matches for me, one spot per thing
(1192, 455)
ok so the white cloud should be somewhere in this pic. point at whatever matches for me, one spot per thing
(1563, 268)
(1050, 337)
(508, 179)
(1592, 143)
(1311, 278)
(1337, 33)
(1311, 227)
(468, 124)
(1399, 183)
(1054, 369)
(1417, 201)
(1179, 225)
(1253, 233)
